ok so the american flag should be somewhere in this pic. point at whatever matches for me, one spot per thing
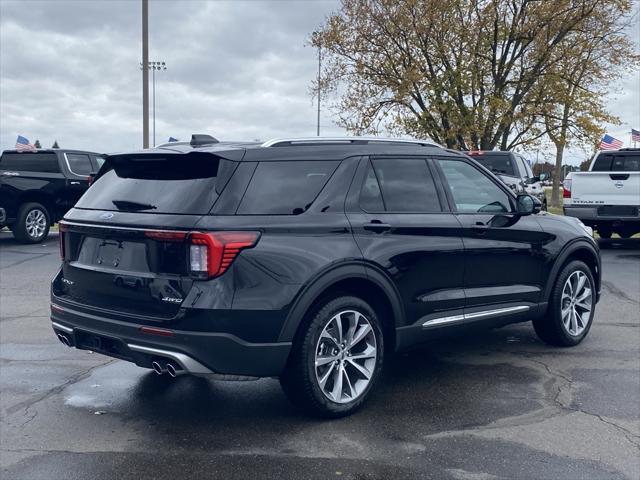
(635, 135)
(610, 143)
(23, 145)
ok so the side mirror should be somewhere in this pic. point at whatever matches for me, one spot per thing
(543, 176)
(528, 205)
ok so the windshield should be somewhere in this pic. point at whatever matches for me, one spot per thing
(498, 163)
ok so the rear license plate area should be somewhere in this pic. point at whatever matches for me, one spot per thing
(618, 211)
(100, 343)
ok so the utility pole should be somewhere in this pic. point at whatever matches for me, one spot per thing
(319, 89)
(145, 73)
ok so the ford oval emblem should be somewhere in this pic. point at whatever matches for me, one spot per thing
(619, 184)
(106, 216)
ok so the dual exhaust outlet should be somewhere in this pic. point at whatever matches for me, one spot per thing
(64, 339)
(161, 367)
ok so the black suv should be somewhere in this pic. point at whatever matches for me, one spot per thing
(309, 260)
(37, 188)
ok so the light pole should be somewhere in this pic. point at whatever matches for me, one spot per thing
(145, 74)
(153, 66)
(316, 39)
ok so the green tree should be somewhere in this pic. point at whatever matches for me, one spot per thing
(55, 144)
(462, 72)
(37, 144)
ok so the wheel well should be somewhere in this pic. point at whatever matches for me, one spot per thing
(585, 255)
(42, 198)
(368, 291)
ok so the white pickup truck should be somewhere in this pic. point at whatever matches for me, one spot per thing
(607, 197)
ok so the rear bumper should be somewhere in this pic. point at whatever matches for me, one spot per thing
(591, 214)
(199, 353)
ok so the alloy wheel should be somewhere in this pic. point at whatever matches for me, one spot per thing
(576, 303)
(35, 223)
(345, 356)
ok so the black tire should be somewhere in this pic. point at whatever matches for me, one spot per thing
(299, 380)
(544, 205)
(604, 233)
(20, 229)
(550, 328)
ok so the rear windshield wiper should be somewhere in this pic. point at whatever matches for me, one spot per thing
(128, 205)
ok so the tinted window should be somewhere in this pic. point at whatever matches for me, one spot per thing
(617, 162)
(406, 185)
(602, 164)
(370, 194)
(79, 163)
(285, 188)
(626, 163)
(500, 164)
(472, 191)
(526, 169)
(30, 162)
(185, 185)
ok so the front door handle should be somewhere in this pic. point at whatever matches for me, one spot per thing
(377, 226)
(479, 228)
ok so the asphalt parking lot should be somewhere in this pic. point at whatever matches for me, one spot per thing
(498, 404)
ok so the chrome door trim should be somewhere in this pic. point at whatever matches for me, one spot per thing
(497, 312)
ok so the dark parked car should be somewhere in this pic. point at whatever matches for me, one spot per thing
(514, 170)
(37, 188)
(309, 260)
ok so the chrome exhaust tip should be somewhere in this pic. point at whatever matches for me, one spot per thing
(173, 371)
(157, 368)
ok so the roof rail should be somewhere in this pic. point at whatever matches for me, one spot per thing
(287, 142)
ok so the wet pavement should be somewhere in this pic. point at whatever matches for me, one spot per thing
(494, 404)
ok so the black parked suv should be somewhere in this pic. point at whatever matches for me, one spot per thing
(37, 188)
(309, 260)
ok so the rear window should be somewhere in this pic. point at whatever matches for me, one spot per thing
(399, 185)
(184, 185)
(617, 162)
(498, 164)
(46, 162)
(79, 163)
(285, 188)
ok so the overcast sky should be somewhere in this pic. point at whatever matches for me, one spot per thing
(69, 71)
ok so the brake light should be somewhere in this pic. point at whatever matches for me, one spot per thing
(90, 180)
(62, 228)
(211, 254)
(566, 188)
(474, 152)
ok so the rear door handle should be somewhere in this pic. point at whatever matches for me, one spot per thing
(377, 226)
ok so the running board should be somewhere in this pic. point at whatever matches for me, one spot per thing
(498, 312)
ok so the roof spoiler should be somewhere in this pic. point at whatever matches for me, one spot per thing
(198, 140)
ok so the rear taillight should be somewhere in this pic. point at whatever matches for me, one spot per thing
(566, 188)
(62, 228)
(210, 254)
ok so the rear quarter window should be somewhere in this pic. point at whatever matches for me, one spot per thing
(285, 188)
(79, 163)
(45, 162)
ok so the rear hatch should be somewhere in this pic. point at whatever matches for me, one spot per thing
(125, 244)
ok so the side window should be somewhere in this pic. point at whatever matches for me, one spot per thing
(370, 194)
(100, 160)
(406, 185)
(285, 188)
(79, 164)
(44, 162)
(632, 163)
(472, 191)
(526, 168)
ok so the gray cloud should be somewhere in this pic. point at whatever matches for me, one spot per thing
(69, 70)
